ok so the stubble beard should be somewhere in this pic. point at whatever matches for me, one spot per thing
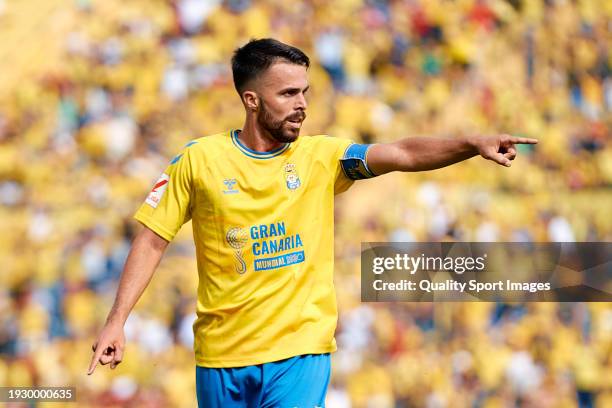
(276, 128)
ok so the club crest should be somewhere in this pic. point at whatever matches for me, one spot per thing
(291, 176)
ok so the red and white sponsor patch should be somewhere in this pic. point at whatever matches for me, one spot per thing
(157, 192)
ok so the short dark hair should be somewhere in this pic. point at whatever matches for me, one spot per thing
(256, 56)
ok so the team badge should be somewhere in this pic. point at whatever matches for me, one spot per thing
(291, 176)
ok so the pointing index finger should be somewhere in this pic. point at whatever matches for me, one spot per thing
(523, 140)
(94, 360)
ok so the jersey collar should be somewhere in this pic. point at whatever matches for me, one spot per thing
(254, 154)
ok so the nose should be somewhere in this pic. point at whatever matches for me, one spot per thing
(301, 102)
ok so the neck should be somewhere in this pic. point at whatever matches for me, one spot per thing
(256, 138)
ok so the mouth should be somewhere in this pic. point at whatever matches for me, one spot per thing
(298, 118)
(295, 123)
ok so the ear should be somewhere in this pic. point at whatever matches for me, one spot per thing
(251, 100)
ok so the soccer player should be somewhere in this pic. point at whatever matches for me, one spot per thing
(261, 200)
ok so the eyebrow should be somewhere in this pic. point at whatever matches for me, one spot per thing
(294, 89)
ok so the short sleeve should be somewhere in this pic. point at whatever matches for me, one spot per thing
(168, 205)
(342, 182)
(353, 166)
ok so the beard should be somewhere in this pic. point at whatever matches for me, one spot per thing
(277, 128)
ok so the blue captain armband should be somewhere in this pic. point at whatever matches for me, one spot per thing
(354, 162)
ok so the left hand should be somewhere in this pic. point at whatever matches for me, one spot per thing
(500, 148)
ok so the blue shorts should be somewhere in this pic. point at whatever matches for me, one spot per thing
(299, 381)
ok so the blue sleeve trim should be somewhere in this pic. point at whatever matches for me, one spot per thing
(354, 163)
(176, 158)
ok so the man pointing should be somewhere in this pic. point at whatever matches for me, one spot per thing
(261, 199)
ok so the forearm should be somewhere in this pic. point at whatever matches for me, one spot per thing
(140, 265)
(422, 153)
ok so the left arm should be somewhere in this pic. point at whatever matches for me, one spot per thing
(429, 153)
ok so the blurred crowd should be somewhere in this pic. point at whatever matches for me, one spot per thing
(82, 141)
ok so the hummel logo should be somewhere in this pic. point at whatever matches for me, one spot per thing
(229, 186)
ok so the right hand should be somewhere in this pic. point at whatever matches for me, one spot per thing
(108, 348)
(501, 148)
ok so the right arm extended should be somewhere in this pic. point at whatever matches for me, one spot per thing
(145, 254)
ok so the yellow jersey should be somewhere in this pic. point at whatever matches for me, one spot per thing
(263, 226)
